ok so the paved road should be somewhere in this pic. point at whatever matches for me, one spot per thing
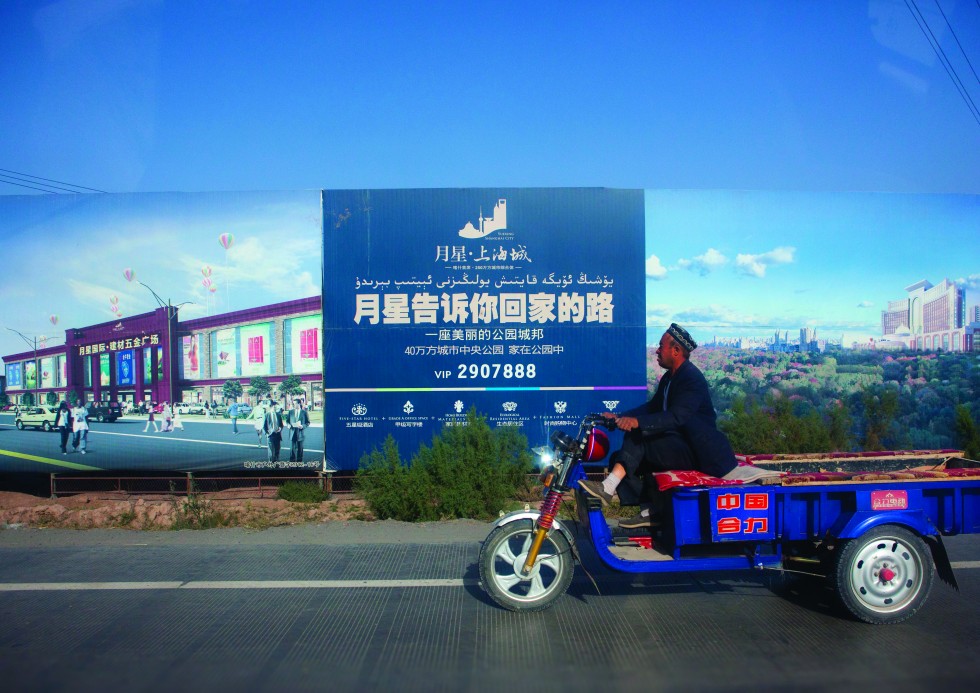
(366, 606)
(124, 444)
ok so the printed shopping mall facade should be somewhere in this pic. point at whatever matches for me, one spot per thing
(150, 358)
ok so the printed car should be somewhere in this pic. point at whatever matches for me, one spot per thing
(104, 411)
(189, 408)
(42, 417)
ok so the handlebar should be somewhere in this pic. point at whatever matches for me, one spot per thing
(599, 420)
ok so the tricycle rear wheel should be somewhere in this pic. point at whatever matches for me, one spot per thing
(502, 560)
(884, 575)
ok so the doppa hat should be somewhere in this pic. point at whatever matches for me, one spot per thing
(682, 336)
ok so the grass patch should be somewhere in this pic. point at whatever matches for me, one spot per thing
(197, 512)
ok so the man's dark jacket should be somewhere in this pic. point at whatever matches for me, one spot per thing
(690, 413)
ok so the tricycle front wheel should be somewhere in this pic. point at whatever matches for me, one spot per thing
(884, 575)
(502, 561)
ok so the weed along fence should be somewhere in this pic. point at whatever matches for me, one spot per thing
(225, 487)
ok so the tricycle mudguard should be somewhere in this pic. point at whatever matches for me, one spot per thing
(533, 516)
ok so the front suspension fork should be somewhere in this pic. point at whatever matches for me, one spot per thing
(549, 509)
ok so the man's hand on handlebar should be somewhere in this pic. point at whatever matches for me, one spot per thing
(623, 423)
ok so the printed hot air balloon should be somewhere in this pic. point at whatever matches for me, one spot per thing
(226, 239)
(206, 270)
(53, 319)
(113, 299)
(212, 288)
(205, 282)
(129, 274)
(114, 308)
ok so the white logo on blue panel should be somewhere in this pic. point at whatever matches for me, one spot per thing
(498, 222)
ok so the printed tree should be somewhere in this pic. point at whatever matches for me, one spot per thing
(232, 389)
(291, 385)
(259, 387)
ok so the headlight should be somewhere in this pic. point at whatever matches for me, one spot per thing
(543, 456)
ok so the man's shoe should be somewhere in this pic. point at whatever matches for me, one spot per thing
(640, 522)
(594, 489)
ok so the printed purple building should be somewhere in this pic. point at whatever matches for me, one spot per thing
(150, 358)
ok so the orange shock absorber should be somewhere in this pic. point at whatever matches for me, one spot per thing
(549, 508)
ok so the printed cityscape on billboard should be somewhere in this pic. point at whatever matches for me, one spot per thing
(151, 306)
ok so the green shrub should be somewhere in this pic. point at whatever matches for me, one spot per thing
(468, 471)
(197, 512)
(302, 492)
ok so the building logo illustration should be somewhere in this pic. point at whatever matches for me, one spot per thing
(498, 222)
(358, 410)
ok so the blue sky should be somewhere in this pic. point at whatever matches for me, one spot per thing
(685, 97)
(144, 95)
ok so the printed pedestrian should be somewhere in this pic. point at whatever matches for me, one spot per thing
(273, 432)
(298, 421)
(64, 424)
(79, 424)
(258, 414)
(150, 419)
(168, 422)
(233, 415)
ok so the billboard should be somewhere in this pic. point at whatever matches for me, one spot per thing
(125, 368)
(303, 338)
(256, 349)
(226, 353)
(191, 356)
(407, 308)
(15, 373)
(49, 374)
(525, 304)
(199, 293)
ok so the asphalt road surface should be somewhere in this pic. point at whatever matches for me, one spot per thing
(371, 606)
(124, 444)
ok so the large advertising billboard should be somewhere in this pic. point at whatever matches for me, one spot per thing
(525, 304)
(404, 309)
(171, 297)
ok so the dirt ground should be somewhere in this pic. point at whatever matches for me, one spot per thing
(108, 510)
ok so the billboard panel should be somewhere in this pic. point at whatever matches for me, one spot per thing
(303, 339)
(225, 353)
(136, 325)
(15, 373)
(526, 304)
(49, 376)
(191, 356)
(256, 349)
(125, 368)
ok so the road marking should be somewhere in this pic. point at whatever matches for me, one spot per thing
(175, 438)
(156, 436)
(230, 585)
(49, 460)
(272, 584)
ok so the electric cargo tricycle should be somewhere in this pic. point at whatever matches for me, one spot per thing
(879, 542)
